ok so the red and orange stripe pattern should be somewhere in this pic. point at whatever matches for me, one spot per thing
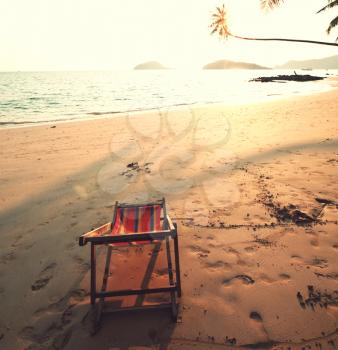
(137, 220)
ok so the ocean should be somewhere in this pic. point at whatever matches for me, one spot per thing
(28, 98)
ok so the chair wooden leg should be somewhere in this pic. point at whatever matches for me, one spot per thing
(177, 264)
(171, 281)
(92, 274)
(104, 285)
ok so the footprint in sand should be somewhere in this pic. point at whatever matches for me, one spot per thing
(17, 241)
(44, 277)
(7, 257)
(251, 249)
(284, 276)
(265, 278)
(201, 252)
(296, 259)
(215, 265)
(27, 333)
(70, 246)
(242, 262)
(314, 242)
(62, 340)
(244, 278)
(319, 262)
(55, 337)
(254, 315)
(84, 266)
(161, 272)
(63, 305)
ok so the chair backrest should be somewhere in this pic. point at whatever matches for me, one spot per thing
(138, 218)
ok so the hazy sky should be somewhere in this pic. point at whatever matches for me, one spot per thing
(118, 34)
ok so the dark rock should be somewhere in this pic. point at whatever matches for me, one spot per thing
(294, 77)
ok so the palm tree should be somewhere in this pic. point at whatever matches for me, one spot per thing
(220, 25)
(334, 22)
(266, 4)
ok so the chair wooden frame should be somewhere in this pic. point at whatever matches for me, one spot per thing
(103, 235)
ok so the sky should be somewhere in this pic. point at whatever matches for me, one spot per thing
(39, 35)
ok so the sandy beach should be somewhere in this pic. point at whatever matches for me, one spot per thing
(253, 189)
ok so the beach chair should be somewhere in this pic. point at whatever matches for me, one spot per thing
(133, 225)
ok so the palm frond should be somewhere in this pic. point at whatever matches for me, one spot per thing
(219, 22)
(332, 24)
(270, 4)
(331, 3)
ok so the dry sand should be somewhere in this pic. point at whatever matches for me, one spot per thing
(253, 189)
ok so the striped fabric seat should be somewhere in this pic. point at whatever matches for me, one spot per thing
(136, 220)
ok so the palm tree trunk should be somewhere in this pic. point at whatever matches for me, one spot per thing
(289, 40)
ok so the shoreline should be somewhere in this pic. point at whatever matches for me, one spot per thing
(329, 83)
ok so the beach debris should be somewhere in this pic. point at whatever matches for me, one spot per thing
(290, 213)
(133, 165)
(316, 297)
(321, 263)
(300, 300)
(263, 241)
(53, 127)
(294, 77)
(285, 213)
(326, 201)
(211, 338)
(230, 341)
(333, 276)
(134, 168)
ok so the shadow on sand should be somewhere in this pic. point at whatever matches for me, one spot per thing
(141, 328)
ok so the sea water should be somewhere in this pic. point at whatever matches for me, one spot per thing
(28, 98)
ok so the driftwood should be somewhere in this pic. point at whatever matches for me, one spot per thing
(294, 77)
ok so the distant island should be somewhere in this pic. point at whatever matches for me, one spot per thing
(226, 64)
(321, 63)
(150, 65)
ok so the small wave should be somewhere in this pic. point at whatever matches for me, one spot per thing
(103, 113)
(17, 123)
(36, 122)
